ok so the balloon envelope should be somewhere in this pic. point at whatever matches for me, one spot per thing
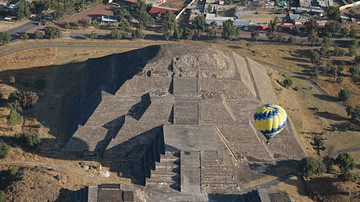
(270, 120)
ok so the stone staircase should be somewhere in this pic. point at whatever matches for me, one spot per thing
(167, 171)
(217, 177)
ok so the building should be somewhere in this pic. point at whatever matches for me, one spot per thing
(105, 19)
(3, 3)
(161, 10)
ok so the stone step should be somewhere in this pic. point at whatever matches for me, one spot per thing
(166, 169)
(164, 181)
(216, 173)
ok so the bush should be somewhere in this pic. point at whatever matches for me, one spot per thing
(354, 71)
(13, 118)
(137, 34)
(116, 34)
(52, 33)
(93, 35)
(38, 34)
(309, 166)
(28, 99)
(32, 141)
(24, 36)
(40, 84)
(12, 80)
(345, 162)
(4, 150)
(2, 196)
(357, 60)
(13, 171)
(344, 95)
(287, 82)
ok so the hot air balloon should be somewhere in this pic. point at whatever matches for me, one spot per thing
(270, 120)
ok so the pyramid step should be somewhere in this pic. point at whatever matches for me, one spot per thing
(164, 181)
(164, 177)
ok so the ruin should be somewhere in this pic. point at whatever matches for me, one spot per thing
(180, 117)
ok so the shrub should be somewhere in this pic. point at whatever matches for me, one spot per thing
(38, 34)
(52, 33)
(357, 60)
(4, 150)
(14, 96)
(13, 118)
(12, 80)
(354, 112)
(287, 82)
(32, 141)
(116, 34)
(24, 36)
(40, 84)
(345, 162)
(13, 171)
(309, 166)
(339, 79)
(354, 71)
(344, 95)
(28, 99)
(93, 35)
(2, 196)
(137, 34)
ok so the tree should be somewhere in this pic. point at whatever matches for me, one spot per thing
(332, 28)
(344, 95)
(288, 82)
(345, 162)
(255, 34)
(28, 99)
(339, 51)
(323, 51)
(318, 144)
(146, 20)
(332, 13)
(312, 24)
(168, 20)
(237, 32)
(329, 162)
(38, 34)
(227, 2)
(167, 35)
(352, 50)
(188, 33)
(313, 36)
(84, 23)
(2, 196)
(309, 166)
(13, 118)
(357, 60)
(52, 33)
(200, 23)
(5, 37)
(292, 39)
(137, 34)
(116, 34)
(354, 71)
(178, 32)
(352, 33)
(354, 42)
(123, 17)
(315, 57)
(345, 32)
(339, 79)
(23, 10)
(228, 30)
(272, 29)
(353, 112)
(213, 24)
(340, 68)
(23, 36)
(4, 150)
(93, 35)
(211, 33)
(326, 42)
(32, 140)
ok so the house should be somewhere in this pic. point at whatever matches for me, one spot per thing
(161, 9)
(3, 3)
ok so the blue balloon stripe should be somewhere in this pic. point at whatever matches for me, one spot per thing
(266, 115)
(267, 132)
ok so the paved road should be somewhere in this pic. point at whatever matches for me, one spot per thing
(14, 32)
